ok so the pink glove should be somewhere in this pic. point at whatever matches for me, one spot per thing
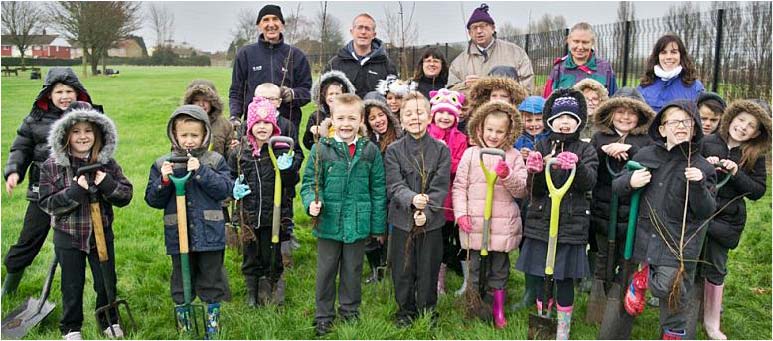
(465, 223)
(534, 164)
(502, 169)
(566, 160)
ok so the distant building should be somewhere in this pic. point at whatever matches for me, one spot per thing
(42, 46)
(131, 47)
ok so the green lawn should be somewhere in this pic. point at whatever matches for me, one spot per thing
(140, 100)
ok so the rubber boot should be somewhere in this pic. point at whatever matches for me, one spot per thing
(213, 321)
(564, 317)
(529, 293)
(498, 309)
(465, 272)
(11, 282)
(586, 283)
(251, 282)
(669, 334)
(441, 280)
(264, 291)
(279, 291)
(183, 319)
(712, 298)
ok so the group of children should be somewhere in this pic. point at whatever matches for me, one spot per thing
(375, 168)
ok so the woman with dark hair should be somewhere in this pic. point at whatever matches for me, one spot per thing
(431, 72)
(670, 74)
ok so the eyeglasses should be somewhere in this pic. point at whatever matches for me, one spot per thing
(687, 123)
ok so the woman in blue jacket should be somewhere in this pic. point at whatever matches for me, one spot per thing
(670, 74)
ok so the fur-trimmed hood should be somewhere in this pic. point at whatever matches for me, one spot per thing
(197, 113)
(205, 88)
(327, 77)
(57, 138)
(481, 91)
(479, 116)
(596, 86)
(754, 109)
(624, 97)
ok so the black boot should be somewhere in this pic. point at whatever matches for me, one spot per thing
(11, 282)
(264, 291)
(530, 290)
(251, 282)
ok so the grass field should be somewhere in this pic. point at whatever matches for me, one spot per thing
(140, 100)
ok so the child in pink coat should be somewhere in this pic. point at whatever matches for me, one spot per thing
(446, 107)
(494, 125)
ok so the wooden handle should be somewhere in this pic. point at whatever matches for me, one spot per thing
(182, 224)
(99, 231)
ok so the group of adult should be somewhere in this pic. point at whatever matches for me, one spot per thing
(670, 73)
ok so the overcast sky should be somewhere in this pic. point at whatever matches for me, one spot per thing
(207, 25)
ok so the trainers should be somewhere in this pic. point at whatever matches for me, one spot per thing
(115, 333)
(634, 296)
(73, 336)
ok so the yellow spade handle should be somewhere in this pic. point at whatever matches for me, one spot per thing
(555, 207)
(182, 224)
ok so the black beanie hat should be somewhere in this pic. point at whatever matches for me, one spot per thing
(270, 9)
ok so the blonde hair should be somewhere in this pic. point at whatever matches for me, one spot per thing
(415, 96)
(267, 87)
(583, 26)
(348, 99)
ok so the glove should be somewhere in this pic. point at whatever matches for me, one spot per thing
(240, 188)
(287, 94)
(534, 163)
(419, 218)
(465, 223)
(566, 160)
(502, 169)
(285, 160)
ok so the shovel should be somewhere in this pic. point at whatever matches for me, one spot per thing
(188, 313)
(277, 212)
(541, 325)
(597, 300)
(617, 324)
(22, 319)
(113, 305)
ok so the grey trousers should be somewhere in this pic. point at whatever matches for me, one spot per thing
(716, 256)
(661, 280)
(498, 269)
(208, 277)
(415, 281)
(345, 260)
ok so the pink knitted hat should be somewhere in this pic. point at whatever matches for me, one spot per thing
(260, 110)
(447, 101)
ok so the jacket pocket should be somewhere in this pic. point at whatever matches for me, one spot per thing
(330, 222)
(364, 220)
(214, 226)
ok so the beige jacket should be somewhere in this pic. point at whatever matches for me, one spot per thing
(472, 62)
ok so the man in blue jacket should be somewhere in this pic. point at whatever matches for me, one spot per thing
(270, 60)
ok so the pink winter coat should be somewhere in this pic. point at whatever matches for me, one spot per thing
(469, 195)
(456, 142)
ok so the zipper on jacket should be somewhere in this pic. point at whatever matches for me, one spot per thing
(260, 191)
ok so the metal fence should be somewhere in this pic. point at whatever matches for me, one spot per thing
(731, 49)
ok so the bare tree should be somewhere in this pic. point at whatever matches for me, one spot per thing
(245, 30)
(756, 35)
(508, 30)
(298, 27)
(401, 30)
(331, 29)
(162, 22)
(95, 25)
(20, 19)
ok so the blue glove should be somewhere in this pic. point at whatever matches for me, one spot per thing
(240, 189)
(285, 160)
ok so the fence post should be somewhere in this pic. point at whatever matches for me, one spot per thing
(447, 51)
(566, 45)
(717, 50)
(526, 46)
(413, 60)
(627, 52)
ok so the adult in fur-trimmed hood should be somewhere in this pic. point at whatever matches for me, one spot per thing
(724, 231)
(202, 92)
(331, 83)
(617, 139)
(483, 89)
(80, 138)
